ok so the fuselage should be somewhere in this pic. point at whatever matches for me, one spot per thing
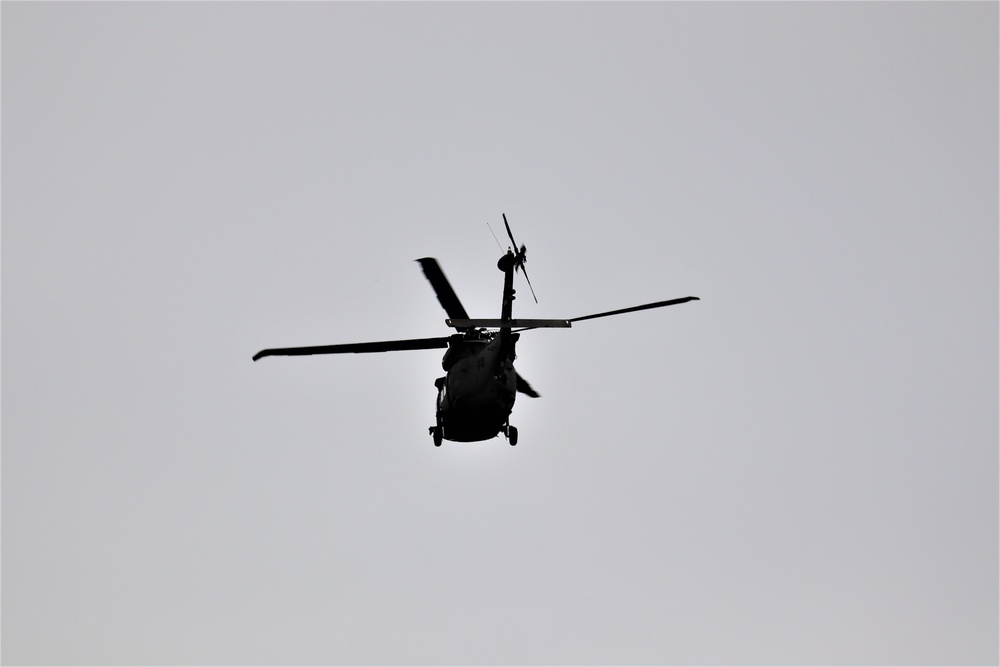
(477, 394)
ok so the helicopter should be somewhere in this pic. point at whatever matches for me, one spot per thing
(476, 395)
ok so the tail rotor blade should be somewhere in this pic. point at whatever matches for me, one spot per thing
(511, 235)
(525, 272)
(520, 258)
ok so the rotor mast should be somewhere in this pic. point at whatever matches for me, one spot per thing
(507, 338)
(506, 264)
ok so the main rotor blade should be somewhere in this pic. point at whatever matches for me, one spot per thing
(646, 306)
(357, 348)
(524, 387)
(445, 294)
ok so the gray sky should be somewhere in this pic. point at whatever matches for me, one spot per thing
(800, 468)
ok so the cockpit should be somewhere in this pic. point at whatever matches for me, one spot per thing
(470, 344)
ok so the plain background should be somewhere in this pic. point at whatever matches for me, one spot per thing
(799, 468)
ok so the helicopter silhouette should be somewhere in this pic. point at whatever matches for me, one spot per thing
(476, 394)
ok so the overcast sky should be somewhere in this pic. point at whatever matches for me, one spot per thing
(802, 467)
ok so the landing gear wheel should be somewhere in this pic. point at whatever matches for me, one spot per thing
(437, 432)
(512, 435)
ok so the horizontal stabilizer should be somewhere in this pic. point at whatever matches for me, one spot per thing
(507, 324)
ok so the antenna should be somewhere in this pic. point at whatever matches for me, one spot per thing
(494, 237)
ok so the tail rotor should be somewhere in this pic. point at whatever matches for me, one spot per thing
(520, 258)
